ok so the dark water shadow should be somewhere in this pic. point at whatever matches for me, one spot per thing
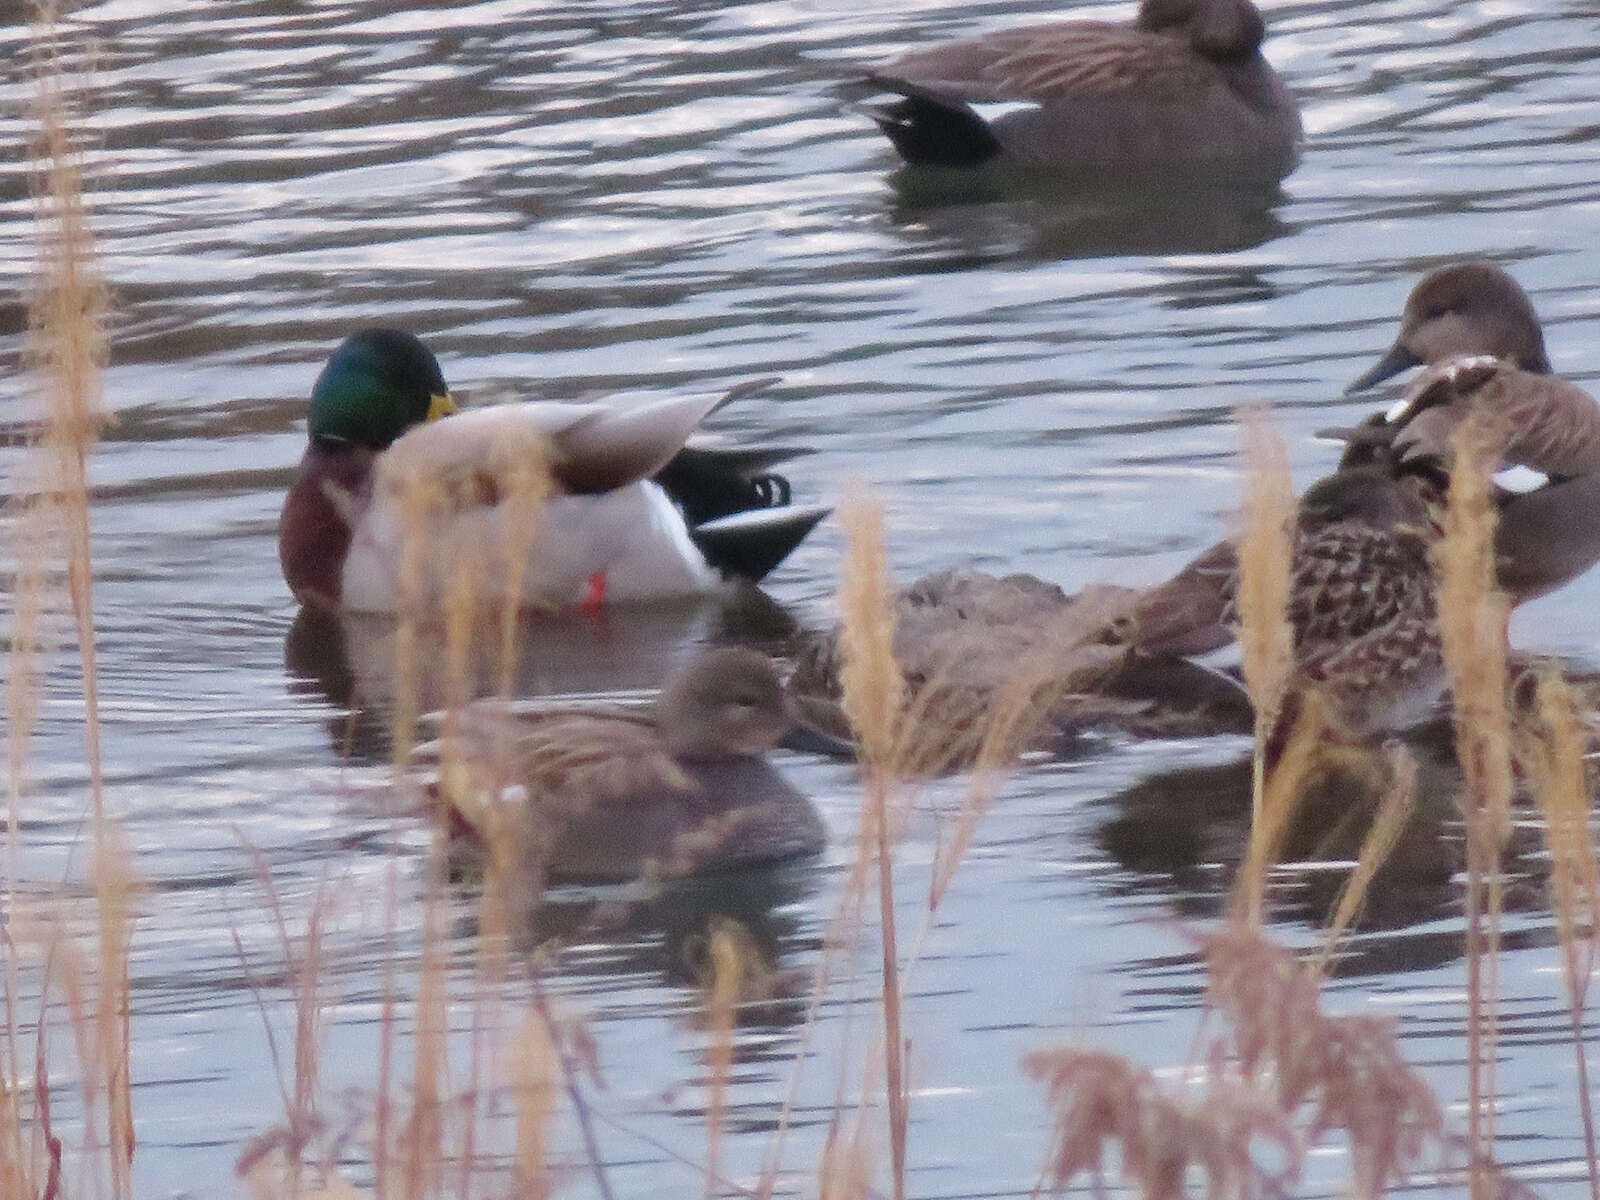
(607, 935)
(1183, 833)
(351, 660)
(997, 211)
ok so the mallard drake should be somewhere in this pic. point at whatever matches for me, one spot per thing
(606, 793)
(1474, 331)
(593, 524)
(1184, 85)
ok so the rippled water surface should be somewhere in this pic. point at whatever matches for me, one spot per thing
(570, 196)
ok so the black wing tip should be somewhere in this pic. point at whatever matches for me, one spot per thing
(749, 545)
(712, 482)
(930, 129)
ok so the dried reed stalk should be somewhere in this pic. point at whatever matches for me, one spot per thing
(574, 1050)
(463, 587)
(1394, 810)
(511, 889)
(423, 499)
(727, 970)
(1553, 758)
(1276, 805)
(24, 686)
(67, 347)
(272, 1165)
(524, 476)
(1472, 625)
(535, 1077)
(419, 498)
(1265, 553)
(873, 691)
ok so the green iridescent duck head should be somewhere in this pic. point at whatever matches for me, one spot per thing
(377, 384)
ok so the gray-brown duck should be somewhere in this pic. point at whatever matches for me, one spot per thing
(1474, 331)
(597, 793)
(1183, 85)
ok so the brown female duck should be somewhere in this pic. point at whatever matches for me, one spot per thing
(1362, 600)
(1474, 331)
(1184, 85)
(605, 793)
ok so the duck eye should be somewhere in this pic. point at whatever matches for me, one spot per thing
(1437, 311)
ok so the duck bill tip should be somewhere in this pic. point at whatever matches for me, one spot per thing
(803, 737)
(1398, 358)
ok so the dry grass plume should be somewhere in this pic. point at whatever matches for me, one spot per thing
(1283, 1075)
(873, 693)
(65, 353)
(1552, 755)
(1472, 625)
(1264, 549)
(1265, 552)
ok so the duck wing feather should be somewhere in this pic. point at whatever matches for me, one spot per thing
(588, 448)
(1051, 63)
(567, 762)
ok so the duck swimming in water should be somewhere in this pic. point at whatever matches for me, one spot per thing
(1473, 330)
(576, 503)
(603, 793)
(1183, 87)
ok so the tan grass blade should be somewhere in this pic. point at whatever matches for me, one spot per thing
(1553, 759)
(1265, 555)
(535, 1080)
(1472, 625)
(1278, 799)
(727, 971)
(1394, 810)
(67, 348)
(873, 692)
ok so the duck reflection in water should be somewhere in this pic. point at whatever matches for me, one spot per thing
(351, 661)
(1184, 833)
(1009, 213)
(670, 932)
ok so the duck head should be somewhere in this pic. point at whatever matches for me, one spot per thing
(377, 384)
(1221, 30)
(1463, 309)
(728, 703)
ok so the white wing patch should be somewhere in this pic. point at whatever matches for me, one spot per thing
(1520, 480)
(994, 110)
